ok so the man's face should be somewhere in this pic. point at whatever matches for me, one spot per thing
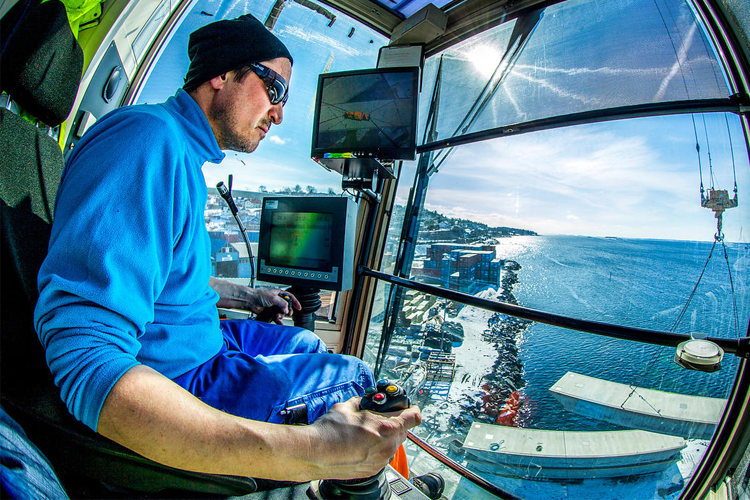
(241, 113)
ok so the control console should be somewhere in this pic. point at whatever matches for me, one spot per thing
(397, 488)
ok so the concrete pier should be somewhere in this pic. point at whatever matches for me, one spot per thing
(544, 454)
(692, 417)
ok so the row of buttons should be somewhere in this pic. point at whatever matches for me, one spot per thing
(298, 274)
(379, 397)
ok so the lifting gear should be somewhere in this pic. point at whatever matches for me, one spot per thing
(718, 200)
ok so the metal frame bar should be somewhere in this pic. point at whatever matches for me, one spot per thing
(471, 17)
(733, 431)
(739, 347)
(733, 434)
(729, 441)
(459, 469)
(728, 105)
(369, 13)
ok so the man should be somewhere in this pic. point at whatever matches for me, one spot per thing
(127, 306)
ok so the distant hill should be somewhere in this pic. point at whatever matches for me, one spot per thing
(435, 226)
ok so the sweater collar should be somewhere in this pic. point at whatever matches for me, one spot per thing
(200, 136)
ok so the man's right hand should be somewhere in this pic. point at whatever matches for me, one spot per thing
(349, 443)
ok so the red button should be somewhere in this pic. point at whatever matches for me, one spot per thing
(378, 397)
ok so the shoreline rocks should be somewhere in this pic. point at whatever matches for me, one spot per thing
(505, 380)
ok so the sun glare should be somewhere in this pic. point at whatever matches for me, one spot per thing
(484, 58)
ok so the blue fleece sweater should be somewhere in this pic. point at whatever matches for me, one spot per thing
(125, 281)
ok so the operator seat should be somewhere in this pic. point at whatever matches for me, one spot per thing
(40, 70)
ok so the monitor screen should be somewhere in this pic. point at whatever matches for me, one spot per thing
(307, 241)
(369, 113)
(301, 239)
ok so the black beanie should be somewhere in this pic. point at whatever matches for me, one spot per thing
(229, 44)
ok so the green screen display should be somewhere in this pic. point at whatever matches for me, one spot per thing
(301, 239)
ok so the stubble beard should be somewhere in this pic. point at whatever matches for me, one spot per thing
(228, 136)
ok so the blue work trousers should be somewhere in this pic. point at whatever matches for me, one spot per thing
(24, 471)
(264, 369)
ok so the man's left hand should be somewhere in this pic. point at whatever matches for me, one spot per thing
(256, 300)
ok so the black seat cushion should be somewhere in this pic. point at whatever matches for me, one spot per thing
(42, 63)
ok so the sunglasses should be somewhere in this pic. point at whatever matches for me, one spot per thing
(276, 86)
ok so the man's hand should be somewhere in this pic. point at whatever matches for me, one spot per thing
(235, 296)
(349, 443)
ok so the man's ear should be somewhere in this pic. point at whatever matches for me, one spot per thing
(218, 82)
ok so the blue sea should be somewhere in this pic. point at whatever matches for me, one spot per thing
(640, 283)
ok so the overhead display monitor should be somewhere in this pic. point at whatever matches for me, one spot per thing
(307, 241)
(367, 113)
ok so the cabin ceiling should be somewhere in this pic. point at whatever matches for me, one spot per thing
(469, 17)
(465, 17)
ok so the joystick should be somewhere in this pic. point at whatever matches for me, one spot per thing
(384, 397)
(288, 299)
(269, 313)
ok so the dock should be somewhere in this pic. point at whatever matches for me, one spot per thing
(566, 455)
(664, 412)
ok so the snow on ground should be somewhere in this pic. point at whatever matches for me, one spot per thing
(474, 360)
(692, 456)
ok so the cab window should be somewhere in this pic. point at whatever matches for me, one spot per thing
(561, 180)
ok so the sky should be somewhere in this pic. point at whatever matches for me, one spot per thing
(629, 178)
(635, 178)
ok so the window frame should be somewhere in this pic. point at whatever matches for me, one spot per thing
(732, 435)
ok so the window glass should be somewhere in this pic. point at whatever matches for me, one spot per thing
(575, 56)
(320, 40)
(602, 222)
(141, 42)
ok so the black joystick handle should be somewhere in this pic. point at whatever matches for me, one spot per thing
(269, 313)
(384, 397)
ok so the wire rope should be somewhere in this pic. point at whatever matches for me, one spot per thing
(695, 288)
(708, 152)
(731, 151)
(718, 237)
(698, 150)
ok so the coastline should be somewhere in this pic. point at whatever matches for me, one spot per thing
(484, 378)
(504, 333)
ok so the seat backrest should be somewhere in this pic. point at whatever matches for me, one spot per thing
(40, 69)
(31, 163)
(42, 63)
